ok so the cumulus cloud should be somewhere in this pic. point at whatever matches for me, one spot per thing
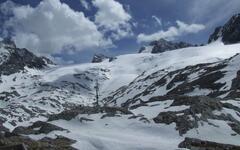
(53, 26)
(6, 8)
(158, 20)
(213, 12)
(172, 32)
(112, 17)
(60, 61)
(85, 4)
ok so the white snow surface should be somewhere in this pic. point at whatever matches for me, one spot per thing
(49, 91)
(117, 133)
(74, 84)
(126, 68)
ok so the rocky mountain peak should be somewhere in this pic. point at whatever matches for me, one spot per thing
(97, 58)
(229, 33)
(163, 45)
(8, 43)
(13, 59)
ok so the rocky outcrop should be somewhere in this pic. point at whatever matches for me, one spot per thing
(14, 147)
(106, 111)
(235, 87)
(18, 142)
(97, 58)
(229, 33)
(184, 121)
(203, 79)
(197, 144)
(37, 128)
(15, 59)
(201, 108)
(163, 45)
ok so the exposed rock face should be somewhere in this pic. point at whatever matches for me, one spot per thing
(163, 45)
(187, 111)
(70, 114)
(196, 144)
(202, 79)
(14, 147)
(235, 88)
(229, 33)
(15, 59)
(18, 142)
(37, 128)
(97, 58)
(47, 60)
(188, 119)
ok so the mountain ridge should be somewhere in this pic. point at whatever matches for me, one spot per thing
(14, 59)
(163, 45)
(229, 33)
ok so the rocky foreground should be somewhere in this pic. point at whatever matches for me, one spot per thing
(198, 111)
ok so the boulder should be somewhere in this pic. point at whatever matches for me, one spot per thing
(197, 144)
(37, 128)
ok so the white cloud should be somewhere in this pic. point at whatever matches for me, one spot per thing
(60, 61)
(85, 4)
(172, 32)
(6, 7)
(213, 12)
(112, 17)
(158, 20)
(52, 26)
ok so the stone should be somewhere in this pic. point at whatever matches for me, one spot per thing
(229, 33)
(196, 144)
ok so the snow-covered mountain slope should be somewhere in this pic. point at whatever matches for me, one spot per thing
(124, 69)
(116, 133)
(162, 68)
(49, 89)
(158, 125)
(211, 79)
(149, 86)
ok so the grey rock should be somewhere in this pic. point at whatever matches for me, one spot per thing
(196, 144)
(14, 147)
(82, 119)
(203, 106)
(229, 33)
(37, 128)
(72, 113)
(20, 58)
(17, 141)
(97, 58)
(163, 45)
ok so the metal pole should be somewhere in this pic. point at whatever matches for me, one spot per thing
(97, 93)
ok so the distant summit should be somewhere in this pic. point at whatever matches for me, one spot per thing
(163, 45)
(13, 59)
(97, 58)
(229, 33)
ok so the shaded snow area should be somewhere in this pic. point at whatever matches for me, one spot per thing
(160, 99)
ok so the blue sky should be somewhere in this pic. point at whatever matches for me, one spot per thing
(186, 20)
